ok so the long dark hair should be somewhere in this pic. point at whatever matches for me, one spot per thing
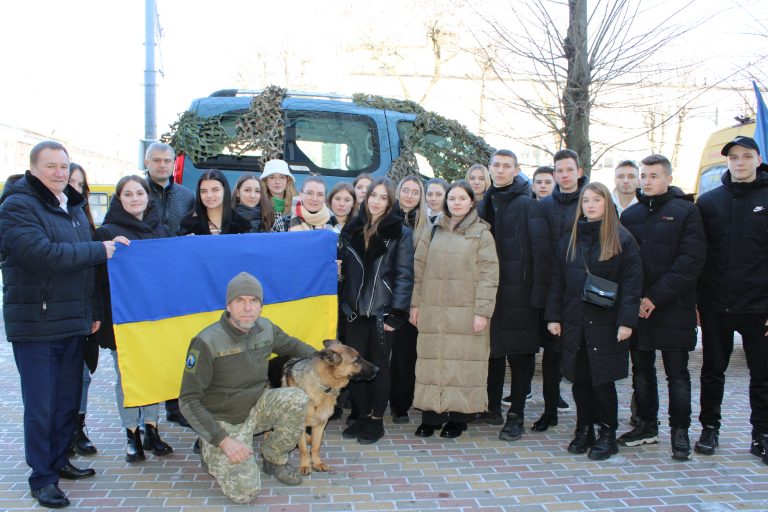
(371, 226)
(226, 205)
(86, 193)
(265, 203)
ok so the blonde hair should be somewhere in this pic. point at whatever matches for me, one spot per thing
(421, 209)
(486, 175)
(610, 242)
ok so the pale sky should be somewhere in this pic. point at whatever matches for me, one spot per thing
(74, 69)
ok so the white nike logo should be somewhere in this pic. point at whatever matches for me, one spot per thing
(758, 209)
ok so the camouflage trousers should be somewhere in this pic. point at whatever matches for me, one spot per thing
(282, 410)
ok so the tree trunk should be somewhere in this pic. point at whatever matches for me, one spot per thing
(576, 100)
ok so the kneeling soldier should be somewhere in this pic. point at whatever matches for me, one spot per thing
(224, 394)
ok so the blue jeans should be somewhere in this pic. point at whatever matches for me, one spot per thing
(132, 417)
(51, 375)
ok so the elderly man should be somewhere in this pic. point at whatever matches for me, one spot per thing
(224, 394)
(48, 260)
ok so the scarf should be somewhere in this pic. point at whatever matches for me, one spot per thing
(311, 220)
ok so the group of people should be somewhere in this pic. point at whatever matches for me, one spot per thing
(442, 286)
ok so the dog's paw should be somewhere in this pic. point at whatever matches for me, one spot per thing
(320, 466)
(305, 470)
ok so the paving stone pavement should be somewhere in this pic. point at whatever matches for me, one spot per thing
(476, 471)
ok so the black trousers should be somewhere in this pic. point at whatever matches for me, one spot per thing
(550, 376)
(403, 369)
(717, 338)
(51, 374)
(438, 418)
(522, 367)
(646, 387)
(374, 344)
(594, 404)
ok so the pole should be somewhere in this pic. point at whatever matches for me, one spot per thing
(150, 76)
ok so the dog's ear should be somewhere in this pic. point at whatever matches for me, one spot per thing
(330, 343)
(330, 357)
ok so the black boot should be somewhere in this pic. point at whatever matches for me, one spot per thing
(583, 440)
(134, 450)
(80, 442)
(153, 442)
(513, 428)
(606, 444)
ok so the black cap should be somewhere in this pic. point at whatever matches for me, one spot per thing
(746, 142)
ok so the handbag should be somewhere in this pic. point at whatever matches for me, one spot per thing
(597, 290)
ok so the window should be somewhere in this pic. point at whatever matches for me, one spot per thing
(98, 202)
(710, 178)
(331, 143)
(437, 142)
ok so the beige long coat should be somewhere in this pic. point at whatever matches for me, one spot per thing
(456, 277)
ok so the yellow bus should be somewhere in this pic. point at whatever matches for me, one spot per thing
(712, 164)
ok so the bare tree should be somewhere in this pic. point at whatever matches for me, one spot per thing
(557, 76)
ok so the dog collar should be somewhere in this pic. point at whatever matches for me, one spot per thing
(326, 389)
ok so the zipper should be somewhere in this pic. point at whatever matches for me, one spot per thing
(376, 278)
(362, 281)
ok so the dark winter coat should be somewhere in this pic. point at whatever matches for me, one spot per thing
(670, 234)
(560, 210)
(735, 276)
(191, 224)
(581, 320)
(172, 202)
(48, 259)
(377, 281)
(118, 222)
(523, 246)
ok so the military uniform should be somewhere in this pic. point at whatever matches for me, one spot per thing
(224, 394)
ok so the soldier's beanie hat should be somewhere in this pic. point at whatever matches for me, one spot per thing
(244, 284)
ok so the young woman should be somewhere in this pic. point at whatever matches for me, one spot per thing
(213, 215)
(456, 276)
(376, 253)
(361, 184)
(436, 190)
(311, 211)
(279, 185)
(130, 215)
(412, 203)
(80, 442)
(255, 207)
(595, 338)
(479, 179)
(342, 202)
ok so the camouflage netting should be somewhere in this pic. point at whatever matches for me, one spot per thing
(448, 146)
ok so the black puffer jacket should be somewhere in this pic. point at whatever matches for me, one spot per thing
(172, 202)
(191, 224)
(252, 215)
(669, 231)
(523, 246)
(48, 260)
(735, 276)
(118, 222)
(377, 281)
(607, 356)
(560, 209)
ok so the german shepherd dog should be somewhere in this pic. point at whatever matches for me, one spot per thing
(322, 377)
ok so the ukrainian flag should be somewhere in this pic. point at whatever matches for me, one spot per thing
(165, 291)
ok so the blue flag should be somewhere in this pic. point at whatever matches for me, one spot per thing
(761, 125)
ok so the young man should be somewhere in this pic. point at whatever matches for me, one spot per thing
(560, 211)
(668, 229)
(522, 244)
(172, 202)
(48, 257)
(626, 178)
(543, 182)
(225, 397)
(733, 290)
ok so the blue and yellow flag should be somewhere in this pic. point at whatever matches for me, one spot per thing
(166, 291)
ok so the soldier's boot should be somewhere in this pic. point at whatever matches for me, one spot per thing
(284, 473)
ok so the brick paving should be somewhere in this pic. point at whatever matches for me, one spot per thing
(477, 471)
